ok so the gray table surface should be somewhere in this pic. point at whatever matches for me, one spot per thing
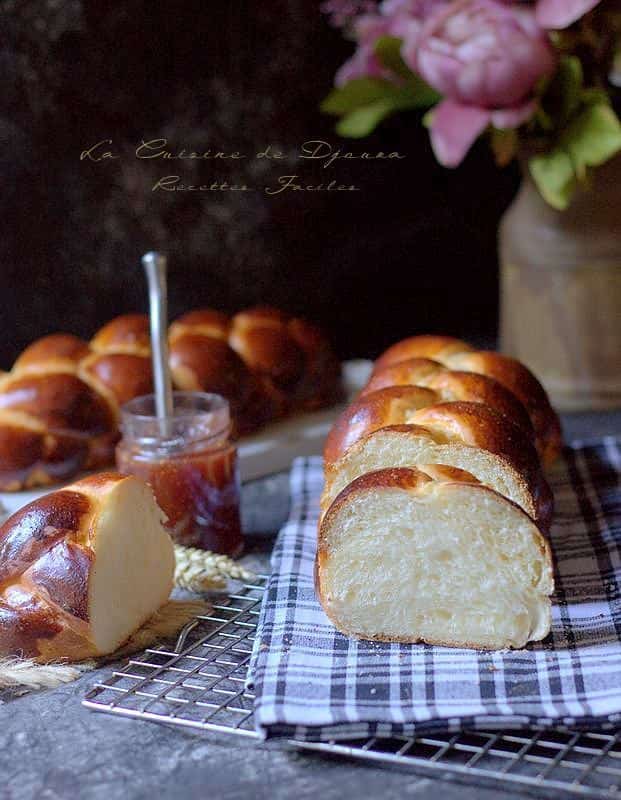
(51, 747)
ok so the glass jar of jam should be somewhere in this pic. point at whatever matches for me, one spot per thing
(191, 465)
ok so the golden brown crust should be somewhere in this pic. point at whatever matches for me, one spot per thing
(261, 315)
(473, 388)
(267, 363)
(45, 563)
(509, 372)
(320, 384)
(124, 375)
(61, 576)
(520, 380)
(435, 347)
(396, 405)
(36, 528)
(204, 322)
(409, 478)
(392, 406)
(452, 385)
(527, 484)
(413, 479)
(206, 364)
(25, 626)
(478, 425)
(60, 400)
(473, 424)
(410, 372)
(62, 346)
(269, 350)
(21, 447)
(127, 333)
(202, 363)
(60, 405)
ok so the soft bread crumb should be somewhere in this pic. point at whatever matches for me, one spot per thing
(446, 563)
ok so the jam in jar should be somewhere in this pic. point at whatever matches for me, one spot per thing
(191, 465)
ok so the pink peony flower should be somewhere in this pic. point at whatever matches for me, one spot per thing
(408, 18)
(368, 28)
(558, 14)
(485, 58)
(400, 18)
(555, 15)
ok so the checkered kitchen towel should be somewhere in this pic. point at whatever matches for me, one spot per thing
(312, 683)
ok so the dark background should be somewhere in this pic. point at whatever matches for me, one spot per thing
(413, 251)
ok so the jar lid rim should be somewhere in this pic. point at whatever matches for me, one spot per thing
(215, 403)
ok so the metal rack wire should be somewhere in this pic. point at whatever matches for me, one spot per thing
(201, 683)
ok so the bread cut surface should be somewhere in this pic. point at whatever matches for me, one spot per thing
(81, 569)
(403, 557)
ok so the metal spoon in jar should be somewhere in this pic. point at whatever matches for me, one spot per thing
(155, 267)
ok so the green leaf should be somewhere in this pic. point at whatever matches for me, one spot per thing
(555, 177)
(562, 94)
(423, 96)
(363, 121)
(355, 94)
(592, 137)
(571, 79)
(595, 97)
(428, 118)
(363, 103)
(388, 50)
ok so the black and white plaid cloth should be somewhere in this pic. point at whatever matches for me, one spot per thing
(312, 683)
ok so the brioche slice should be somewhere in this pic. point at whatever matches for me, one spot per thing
(82, 568)
(473, 424)
(413, 445)
(402, 557)
(395, 405)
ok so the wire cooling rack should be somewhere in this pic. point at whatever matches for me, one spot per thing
(201, 683)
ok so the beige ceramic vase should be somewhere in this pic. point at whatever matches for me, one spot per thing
(561, 291)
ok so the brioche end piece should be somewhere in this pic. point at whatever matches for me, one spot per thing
(403, 558)
(82, 569)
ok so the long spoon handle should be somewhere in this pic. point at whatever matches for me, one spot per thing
(155, 268)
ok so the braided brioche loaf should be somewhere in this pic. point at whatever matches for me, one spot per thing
(81, 569)
(60, 404)
(435, 499)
